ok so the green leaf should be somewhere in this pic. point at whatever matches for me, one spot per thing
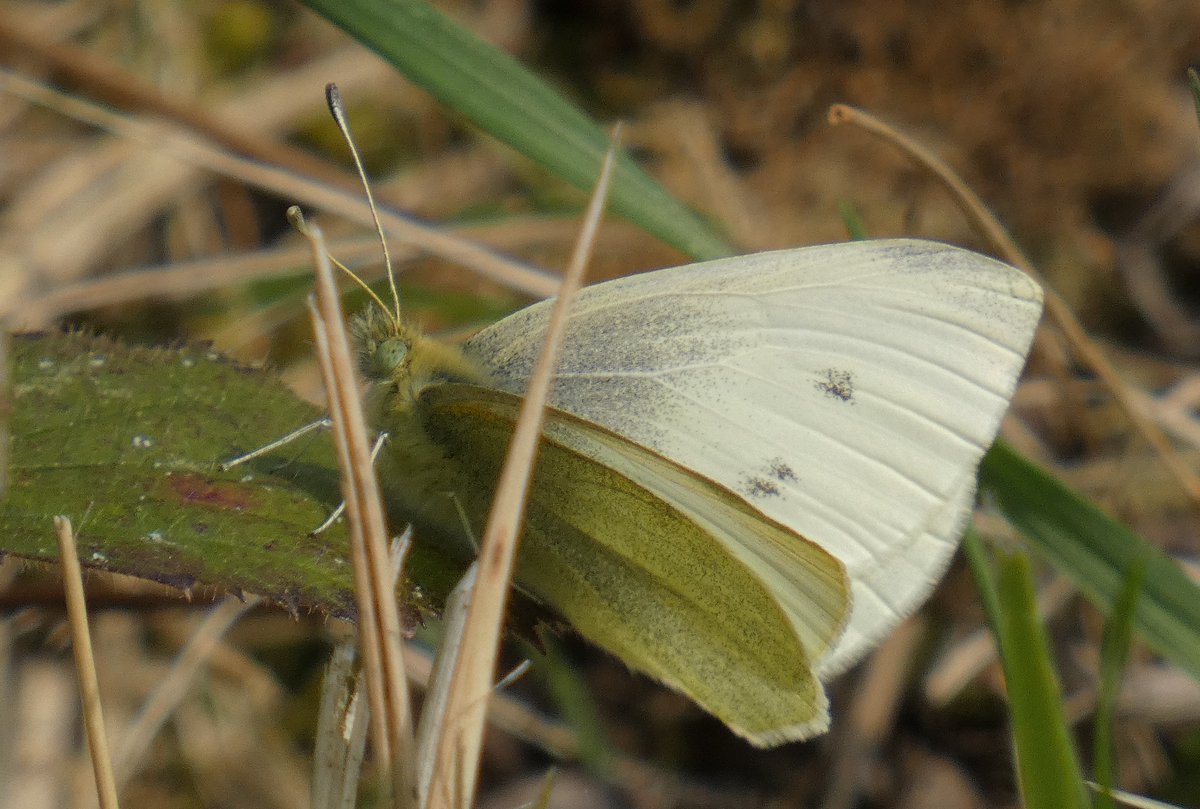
(497, 94)
(127, 442)
(1096, 552)
(1114, 649)
(1047, 766)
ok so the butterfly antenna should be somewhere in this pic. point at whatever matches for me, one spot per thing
(338, 110)
(296, 217)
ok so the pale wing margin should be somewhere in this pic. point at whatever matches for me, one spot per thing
(847, 391)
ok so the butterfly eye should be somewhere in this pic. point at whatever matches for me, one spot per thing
(390, 355)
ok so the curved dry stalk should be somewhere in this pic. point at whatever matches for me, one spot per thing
(194, 150)
(1085, 349)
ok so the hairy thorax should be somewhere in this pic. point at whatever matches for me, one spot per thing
(430, 488)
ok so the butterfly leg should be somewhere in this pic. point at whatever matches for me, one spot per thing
(466, 522)
(276, 444)
(380, 440)
(517, 673)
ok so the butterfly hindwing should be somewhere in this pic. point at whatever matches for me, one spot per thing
(636, 553)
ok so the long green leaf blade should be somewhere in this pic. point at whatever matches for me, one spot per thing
(500, 96)
(1096, 552)
(1047, 765)
(1114, 650)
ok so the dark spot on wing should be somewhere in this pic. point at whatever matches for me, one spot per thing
(767, 480)
(760, 487)
(836, 384)
(781, 471)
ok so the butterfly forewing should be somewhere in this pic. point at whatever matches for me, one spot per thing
(846, 391)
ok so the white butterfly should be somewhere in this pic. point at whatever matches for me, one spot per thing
(752, 469)
(846, 391)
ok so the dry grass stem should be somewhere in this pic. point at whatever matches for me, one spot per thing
(181, 279)
(367, 621)
(171, 690)
(1088, 352)
(433, 725)
(53, 228)
(379, 621)
(343, 717)
(341, 733)
(191, 277)
(869, 720)
(85, 665)
(176, 280)
(1177, 410)
(506, 713)
(166, 139)
(456, 764)
(104, 81)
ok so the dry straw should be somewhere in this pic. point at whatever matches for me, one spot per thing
(85, 665)
(378, 615)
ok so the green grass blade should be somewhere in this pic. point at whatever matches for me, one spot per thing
(1096, 552)
(1114, 649)
(1047, 767)
(985, 579)
(500, 96)
(576, 705)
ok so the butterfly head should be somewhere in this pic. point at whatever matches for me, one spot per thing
(383, 344)
(400, 361)
(395, 357)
